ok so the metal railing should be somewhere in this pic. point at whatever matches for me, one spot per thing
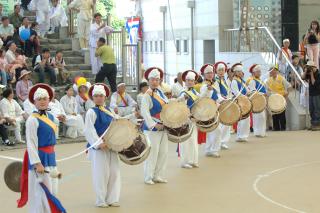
(261, 40)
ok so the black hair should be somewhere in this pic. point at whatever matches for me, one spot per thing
(82, 86)
(67, 87)
(7, 92)
(15, 6)
(34, 24)
(175, 80)
(19, 51)
(45, 50)
(316, 23)
(142, 84)
(200, 79)
(59, 51)
(97, 14)
(294, 56)
(102, 40)
(4, 18)
(23, 18)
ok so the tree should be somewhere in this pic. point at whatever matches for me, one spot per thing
(106, 7)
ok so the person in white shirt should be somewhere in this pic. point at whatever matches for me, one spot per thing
(177, 87)
(74, 121)
(143, 87)
(238, 87)
(28, 107)
(151, 106)
(42, 8)
(121, 102)
(82, 99)
(11, 110)
(57, 16)
(98, 29)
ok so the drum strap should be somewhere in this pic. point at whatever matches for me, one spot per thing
(46, 120)
(261, 84)
(192, 94)
(122, 99)
(103, 109)
(157, 97)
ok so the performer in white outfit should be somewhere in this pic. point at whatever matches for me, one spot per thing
(211, 90)
(104, 162)
(74, 121)
(177, 87)
(57, 16)
(84, 103)
(151, 106)
(221, 68)
(38, 187)
(98, 29)
(12, 112)
(255, 84)
(28, 107)
(42, 8)
(121, 102)
(86, 8)
(189, 149)
(238, 87)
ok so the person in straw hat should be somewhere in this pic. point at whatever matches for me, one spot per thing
(38, 187)
(151, 106)
(211, 90)
(221, 68)
(104, 162)
(189, 149)
(312, 76)
(23, 86)
(257, 85)
(276, 83)
(238, 87)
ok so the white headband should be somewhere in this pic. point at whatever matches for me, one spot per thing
(221, 66)
(191, 76)
(98, 90)
(238, 68)
(40, 93)
(285, 40)
(121, 84)
(155, 73)
(208, 69)
(256, 68)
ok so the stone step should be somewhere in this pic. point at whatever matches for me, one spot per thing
(59, 46)
(78, 67)
(68, 53)
(31, 18)
(29, 13)
(53, 36)
(74, 60)
(46, 41)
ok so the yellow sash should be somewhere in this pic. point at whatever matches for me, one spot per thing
(223, 84)
(47, 121)
(276, 85)
(103, 109)
(157, 97)
(261, 83)
(193, 96)
(120, 98)
(249, 80)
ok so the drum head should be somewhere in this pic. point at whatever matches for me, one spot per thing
(121, 134)
(244, 104)
(180, 135)
(208, 127)
(259, 102)
(204, 109)
(12, 175)
(137, 153)
(229, 112)
(276, 103)
(175, 114)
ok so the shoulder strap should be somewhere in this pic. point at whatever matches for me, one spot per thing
(46, 120)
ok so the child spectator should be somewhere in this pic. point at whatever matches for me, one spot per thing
(59, 66)
(290, 75)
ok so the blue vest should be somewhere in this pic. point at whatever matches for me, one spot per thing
(260, 87)
(103, 120)
(223, 89)
(156, 109)
(241, 87)
(46, 137)
(214, 95)
(190, 101)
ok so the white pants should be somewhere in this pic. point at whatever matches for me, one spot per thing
(96, 63)
(75, 126)
(37, 199)
(213, 144)
(259, 123)
(54, 22)
(57, 122)
(105, 176)
(156, 163)
(83, 32)
(17, 128)
(243, 129)
(225, 133)
(189, 149)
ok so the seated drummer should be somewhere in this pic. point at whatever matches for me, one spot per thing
(104, 162)
(257, 85)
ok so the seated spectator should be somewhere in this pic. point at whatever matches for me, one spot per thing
(12, 112)
(58, 63)
(41, 64)
(121, 102)
(6, 30)
(34, 44)
(15, 18)
(16, 65)
(83, 101)
(28, 107)
(74, 120)
(4, 133)
(58, 17)
(26, 45)
(3, 68)
(290, 75)
(23, 86)
(143, 87)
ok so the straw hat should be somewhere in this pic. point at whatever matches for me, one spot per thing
(24, 73)
(175, 114)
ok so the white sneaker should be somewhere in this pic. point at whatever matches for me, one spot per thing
(160, 180)
(149, 182)
(116, 204)
(102, 205)
(241, 140)
(216, 155)
(50, 32)
(209, 154)
(195, 165)
(21, 141)
(186, 166)
(224, 146)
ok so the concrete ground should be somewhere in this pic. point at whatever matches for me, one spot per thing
(279, 173)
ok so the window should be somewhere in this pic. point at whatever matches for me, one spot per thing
(185, 46)
(161, 46)
(146, 46)
(178, 47)
(156, 46)
(151, 47)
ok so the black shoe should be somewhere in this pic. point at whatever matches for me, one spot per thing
(9, 143)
